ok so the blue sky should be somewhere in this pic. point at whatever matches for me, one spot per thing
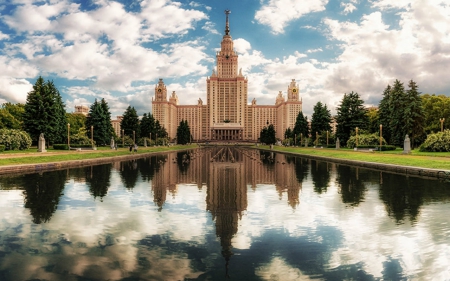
(118, 50)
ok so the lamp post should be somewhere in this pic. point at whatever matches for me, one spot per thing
(295, 139)
(442, 123)
(150, 138)
(68, 135)
(92, 136)
(327, 138)
(301, 139)
(134, 137)
(356, 136)
(317, 138)
(123, 138)
(381, 135)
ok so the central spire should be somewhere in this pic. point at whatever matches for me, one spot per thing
(227, 26)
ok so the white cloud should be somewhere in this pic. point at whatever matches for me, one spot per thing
(314, 50)
(14, 90)
(278, 13)
(348, 8)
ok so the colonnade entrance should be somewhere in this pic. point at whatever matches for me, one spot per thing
(227, 134)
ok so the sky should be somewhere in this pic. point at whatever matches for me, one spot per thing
(118, 50)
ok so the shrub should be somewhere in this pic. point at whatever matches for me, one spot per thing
(2, 148)
(438, 142)
(80, 145)
(14, 139)
(80, 138)
(386, 148)
(365, 139)
(60, 146)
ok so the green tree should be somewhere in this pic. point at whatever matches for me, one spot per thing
(183, 133)
(373, 120)
(11, 115)
(320, 120)
(130, 122)
(147, 126)
(108, 128)
(76, 121)
(44, 113)
(7, 120)
(435, 108)
(57, 117)
(300, 127)
(397, 107)
(384, 114)
(99, 119)
(288, 134)
(351, 113)
(414, 116)
(267, 135)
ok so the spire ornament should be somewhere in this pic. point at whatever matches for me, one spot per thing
(227, 26)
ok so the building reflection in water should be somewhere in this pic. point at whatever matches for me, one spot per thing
(227, 172)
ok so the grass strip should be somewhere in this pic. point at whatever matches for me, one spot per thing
(415, 159)
(33, 157)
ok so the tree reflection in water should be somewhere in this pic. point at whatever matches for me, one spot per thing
(42, 193)
(98, 178)
(242, 235)
(320, 172)
(351, 184)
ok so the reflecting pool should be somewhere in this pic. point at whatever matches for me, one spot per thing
(223, 213)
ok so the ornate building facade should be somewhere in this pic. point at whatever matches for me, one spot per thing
(226, 116)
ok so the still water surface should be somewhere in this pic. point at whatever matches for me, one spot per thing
(223, 214)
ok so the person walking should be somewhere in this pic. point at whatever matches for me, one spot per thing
(131, 148)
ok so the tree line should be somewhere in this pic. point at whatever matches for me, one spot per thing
(400, 112)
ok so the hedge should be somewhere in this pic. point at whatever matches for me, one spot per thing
(386, 147)
(80, 145)
(2, 148)
(60, 147)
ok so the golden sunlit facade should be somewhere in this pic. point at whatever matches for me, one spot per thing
(226, 116)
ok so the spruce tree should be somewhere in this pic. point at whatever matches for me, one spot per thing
(384, 114)
(397, 106)
(183, 133)
(414, 114)
(44, 113)
(351, 113)
(321, 119)
(94, 123)
(301, 126)
(130, 122)
(107, 128)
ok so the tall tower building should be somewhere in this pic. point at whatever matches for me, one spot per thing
(226, 116)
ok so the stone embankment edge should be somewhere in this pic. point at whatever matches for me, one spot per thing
(399, 169)
(51, 166)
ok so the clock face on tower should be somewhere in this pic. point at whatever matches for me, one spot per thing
(294, 90)
(227, 57)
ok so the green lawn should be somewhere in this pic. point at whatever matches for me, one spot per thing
(31, 156)
(432, 160)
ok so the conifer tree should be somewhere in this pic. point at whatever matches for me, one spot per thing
(414, 113)
(95, 121)
(301, 126)
(351, 113)
(321, 119)
(397, 107)
(130, 122)
(384, 114)
(44, 113)
(183, 133)
(107, 128)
